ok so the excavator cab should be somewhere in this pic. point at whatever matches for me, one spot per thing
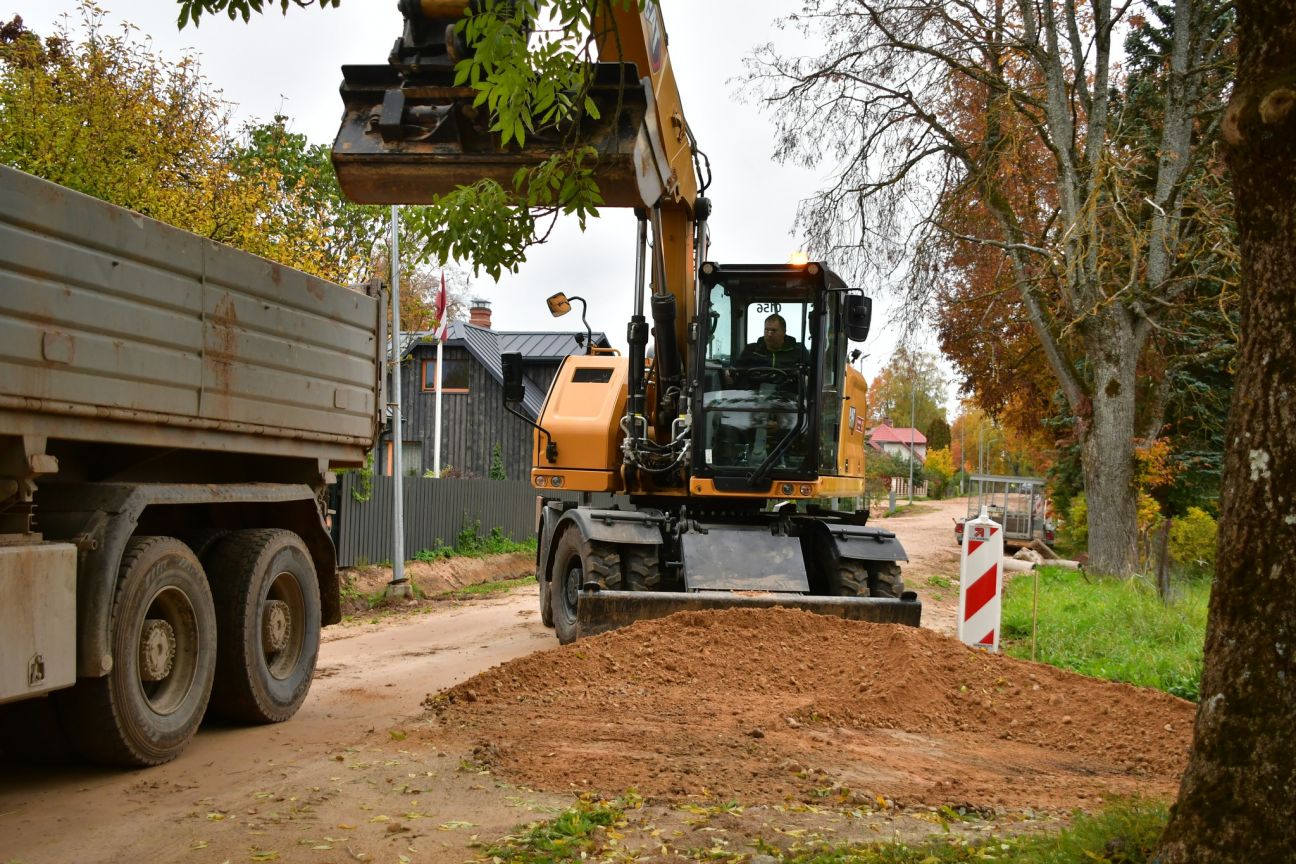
(773, 342)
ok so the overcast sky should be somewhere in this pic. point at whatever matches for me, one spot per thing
(291, 64)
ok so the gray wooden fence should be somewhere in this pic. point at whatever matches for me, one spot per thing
(435, 512)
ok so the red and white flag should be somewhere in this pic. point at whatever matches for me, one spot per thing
(443, 322)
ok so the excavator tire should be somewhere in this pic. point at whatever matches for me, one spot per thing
(578, 560)
(885, 579)
(852, 579)
(640, 567)
(546, 604)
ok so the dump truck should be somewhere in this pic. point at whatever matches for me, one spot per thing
(171, 413)
(743, 418)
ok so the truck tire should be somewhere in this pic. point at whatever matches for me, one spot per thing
(268, 615)
(885, 579)
(203, 539)
(577, 561)
(163, 632)
(852, 578)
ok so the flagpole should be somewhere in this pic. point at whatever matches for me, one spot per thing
(399, 585)
(442, 332)
(436, 437)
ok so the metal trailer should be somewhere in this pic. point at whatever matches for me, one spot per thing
(170, 412)
(1019, 504)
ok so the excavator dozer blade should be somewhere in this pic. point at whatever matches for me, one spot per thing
(598, 611)
(405, 143)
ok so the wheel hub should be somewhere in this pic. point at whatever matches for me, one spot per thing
(276, 626)
(157, 649)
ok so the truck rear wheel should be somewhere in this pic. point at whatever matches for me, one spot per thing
(885, 579)
(577, 561)
(148, 707)
(268, 611)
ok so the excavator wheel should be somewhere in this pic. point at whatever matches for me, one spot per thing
(546, 603)
(577, 561)
(885, 579)
(640, 567)
(852, 579)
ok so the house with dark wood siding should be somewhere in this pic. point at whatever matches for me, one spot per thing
(473, 419)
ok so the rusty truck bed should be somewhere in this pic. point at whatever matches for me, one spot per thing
(119, 328)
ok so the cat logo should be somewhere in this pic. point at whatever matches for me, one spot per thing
(656, 37)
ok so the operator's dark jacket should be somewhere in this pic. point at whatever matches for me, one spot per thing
(757, 354)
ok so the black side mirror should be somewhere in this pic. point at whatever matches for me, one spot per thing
(513, 388)
(859, 316)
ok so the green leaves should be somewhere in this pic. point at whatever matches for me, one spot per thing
(531, 68)
(481, 223)
(192, 10)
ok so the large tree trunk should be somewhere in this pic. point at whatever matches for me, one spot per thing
(1108, 467)
(1236, 802)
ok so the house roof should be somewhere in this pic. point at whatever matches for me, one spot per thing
(895, 435)
(544, 346)
(486, 346)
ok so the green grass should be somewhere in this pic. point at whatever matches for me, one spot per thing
(578, 833)
(1124, 832)
(1111, 628)
(485, 589)
(471, 544)
(919, 507)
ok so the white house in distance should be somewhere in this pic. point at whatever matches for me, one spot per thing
(896, 441)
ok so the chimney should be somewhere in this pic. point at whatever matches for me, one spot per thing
(480, 313)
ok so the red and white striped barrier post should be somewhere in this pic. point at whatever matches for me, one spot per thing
(981, 583)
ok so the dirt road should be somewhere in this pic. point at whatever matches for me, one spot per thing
(366, 773)
(328, 773)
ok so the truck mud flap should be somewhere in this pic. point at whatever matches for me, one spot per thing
(598, 611)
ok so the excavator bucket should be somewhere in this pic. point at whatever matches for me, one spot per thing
(598, 611)
(404, 142)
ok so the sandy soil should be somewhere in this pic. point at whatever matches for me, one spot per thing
(446, 724)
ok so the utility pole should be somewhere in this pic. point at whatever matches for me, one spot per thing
(399, 586)
(962, 454)
(981, 447)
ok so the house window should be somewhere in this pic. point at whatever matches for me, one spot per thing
(453, 380)
(411, 458)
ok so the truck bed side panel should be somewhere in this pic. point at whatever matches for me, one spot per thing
(108, 316)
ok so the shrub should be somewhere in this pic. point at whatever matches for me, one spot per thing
(937, 470)
(1077, 522)
(1192, 541)
(497, 471)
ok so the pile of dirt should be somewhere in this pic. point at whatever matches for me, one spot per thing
(776, 705)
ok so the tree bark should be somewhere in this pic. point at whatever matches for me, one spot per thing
(1236, 800)
(1110, 491)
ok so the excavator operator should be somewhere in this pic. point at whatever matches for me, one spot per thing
(774, 350)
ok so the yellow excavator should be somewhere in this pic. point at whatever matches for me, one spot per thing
(730, 416)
